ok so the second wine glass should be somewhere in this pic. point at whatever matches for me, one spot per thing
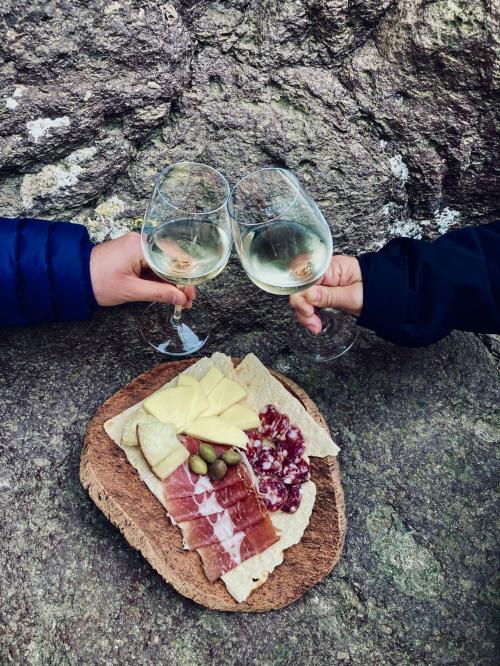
(285, 246)
(186, 238)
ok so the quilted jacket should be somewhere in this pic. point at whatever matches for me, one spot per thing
(44, 272)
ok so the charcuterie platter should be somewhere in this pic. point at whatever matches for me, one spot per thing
(224, 475)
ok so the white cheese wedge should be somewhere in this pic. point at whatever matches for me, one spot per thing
(211, 379)
(157, 441)
(129, 435)
(187, 380)
(171, 405)
(241, 417)
(198, 405)
(226, 393)
(168, 465)
(216, 430)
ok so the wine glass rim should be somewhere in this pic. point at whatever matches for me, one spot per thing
(172, 166)
(295, 183)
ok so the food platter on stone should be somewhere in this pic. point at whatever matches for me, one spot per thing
(224, 475)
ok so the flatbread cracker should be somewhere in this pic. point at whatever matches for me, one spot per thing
(264, 389)
(251, 574)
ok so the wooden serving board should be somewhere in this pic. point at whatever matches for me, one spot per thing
(115, 487)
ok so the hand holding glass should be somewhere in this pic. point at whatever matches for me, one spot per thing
(186, 237)
(285, 246)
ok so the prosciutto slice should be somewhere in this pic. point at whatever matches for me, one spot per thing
(210, 529)
(221, 557)
(192, 445)
(206, 503)
(183, 483)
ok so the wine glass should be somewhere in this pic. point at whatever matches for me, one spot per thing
(186, 239)
(285, 246)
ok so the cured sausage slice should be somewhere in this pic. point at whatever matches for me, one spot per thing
(294, 446)
(293, 500)
(295, 473)
(268, 460)
(273, 492)
(255, 444)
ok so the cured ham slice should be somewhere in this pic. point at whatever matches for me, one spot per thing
(206, 503)
(192, 445)
(207, 530)
(183, 483)
(219, 558)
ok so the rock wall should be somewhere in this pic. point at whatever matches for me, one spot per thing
(385, 108)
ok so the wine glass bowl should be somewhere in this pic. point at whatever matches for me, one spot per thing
(283, 241)
(285, 246)
(186, 238)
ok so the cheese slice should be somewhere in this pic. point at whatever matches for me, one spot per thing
(168, 465)
(241, 417)
(157, 441)
(187, 380)
(211, 379)
(171, 405)
(226, 393)
(199, 403)
(129, 435)
(216, 430)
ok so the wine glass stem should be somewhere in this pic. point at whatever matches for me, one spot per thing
(177, 316)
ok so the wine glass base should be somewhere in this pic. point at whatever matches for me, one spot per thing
(160, 332)
(337, 336)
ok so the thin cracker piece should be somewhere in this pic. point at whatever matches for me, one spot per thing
(264, 389)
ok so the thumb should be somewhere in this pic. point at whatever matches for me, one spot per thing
(348, 298)
(150, 290)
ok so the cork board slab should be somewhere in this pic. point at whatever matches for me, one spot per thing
(115, 487)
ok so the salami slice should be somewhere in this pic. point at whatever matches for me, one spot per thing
(293, 500)
(280, 429)
(295, 473)
(255, 444)
(293, 447)
(268, 460)
(269, 416)
(273, 492)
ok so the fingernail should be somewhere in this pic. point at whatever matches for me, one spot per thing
(179, 299)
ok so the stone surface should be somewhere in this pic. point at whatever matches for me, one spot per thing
(386, 111)
(419, 432)
(384, 108)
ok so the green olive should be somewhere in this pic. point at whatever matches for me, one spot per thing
(231, 457)
(207, 452)
(198, 465)
(217, 470)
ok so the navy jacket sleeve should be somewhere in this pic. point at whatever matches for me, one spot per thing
(416, 292)
(44, 272)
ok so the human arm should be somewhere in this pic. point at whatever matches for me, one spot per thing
(414, 292)
(46, 273)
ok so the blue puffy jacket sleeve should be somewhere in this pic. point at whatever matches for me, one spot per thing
(415, 292)
(44, 272)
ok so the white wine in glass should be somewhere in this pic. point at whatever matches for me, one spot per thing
(285, 246)
(186, 237)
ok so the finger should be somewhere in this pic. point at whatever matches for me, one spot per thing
(300, 304)
(348, 298)
(148, 290)
(312, 323)
(190, 293)
(342, 271)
